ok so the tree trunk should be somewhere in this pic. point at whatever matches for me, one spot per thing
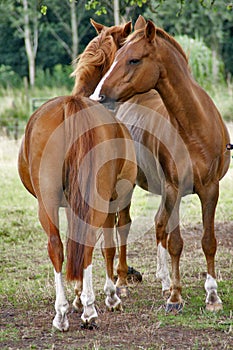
(116, 10)
(31, 47)
(74, 30)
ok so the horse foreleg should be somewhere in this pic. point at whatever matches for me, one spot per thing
(49, 221)
(168, 235)
(162, 271)
(175, 246)
(209, 245)
(123, 227)
(112, 301)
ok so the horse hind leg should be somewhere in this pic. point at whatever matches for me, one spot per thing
(112, 301)
(87, 296)
(209, 199)
(49, 221)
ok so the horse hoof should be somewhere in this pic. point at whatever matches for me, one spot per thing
(214, 307)
(89, 325)
(60, 327)
(133, 275)
(174, 308)
(122, 292)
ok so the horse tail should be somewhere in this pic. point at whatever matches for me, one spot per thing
(79, 179)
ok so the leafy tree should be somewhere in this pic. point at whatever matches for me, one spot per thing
(24, 17)
(214, 24)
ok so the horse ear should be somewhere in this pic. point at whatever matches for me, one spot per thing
(127, 29)
(98, 27)
(150, 31)
(140, 23)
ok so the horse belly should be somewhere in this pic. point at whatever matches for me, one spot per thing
(149, 171)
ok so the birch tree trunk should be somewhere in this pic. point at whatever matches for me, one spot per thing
(31, 41)
(74, 30)
(116, 9)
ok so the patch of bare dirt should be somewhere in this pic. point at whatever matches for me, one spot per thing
(115, 331)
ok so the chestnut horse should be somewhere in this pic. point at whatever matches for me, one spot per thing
(180, 143)
(75, 154)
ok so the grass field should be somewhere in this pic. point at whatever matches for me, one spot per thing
(27, 286)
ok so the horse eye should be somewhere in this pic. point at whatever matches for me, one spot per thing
(134, 61)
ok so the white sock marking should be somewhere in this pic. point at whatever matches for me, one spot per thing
(61, 304)
(162, 272)
(87, 295)
(211, 291)
(112, 300)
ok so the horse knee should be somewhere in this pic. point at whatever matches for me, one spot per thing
(209, 245)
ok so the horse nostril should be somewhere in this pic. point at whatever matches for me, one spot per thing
(102, 98)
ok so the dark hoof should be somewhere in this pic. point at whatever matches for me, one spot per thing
(134, 275)
(89, 326)
(174, 308)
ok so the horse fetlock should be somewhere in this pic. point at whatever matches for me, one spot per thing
(77, 304)
(175, 296)
(89, 314)
(122, 291)
(113, 302)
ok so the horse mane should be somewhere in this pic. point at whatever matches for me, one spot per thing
(99, 52)
(138, 34)
(164, 35)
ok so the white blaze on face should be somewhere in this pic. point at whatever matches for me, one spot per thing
(96, 94)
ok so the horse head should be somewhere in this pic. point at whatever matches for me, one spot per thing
(98, 56)
(133, 70)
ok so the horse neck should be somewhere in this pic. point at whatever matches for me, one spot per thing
(182, 96)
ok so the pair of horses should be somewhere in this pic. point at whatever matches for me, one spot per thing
(76, 154)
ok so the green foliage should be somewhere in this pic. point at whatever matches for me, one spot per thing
(59, 76)
(202, 62)
(213, 23)
(8, 77)
(43, 9)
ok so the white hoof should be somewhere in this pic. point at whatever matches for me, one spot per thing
(61, 323)
(89, 314)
